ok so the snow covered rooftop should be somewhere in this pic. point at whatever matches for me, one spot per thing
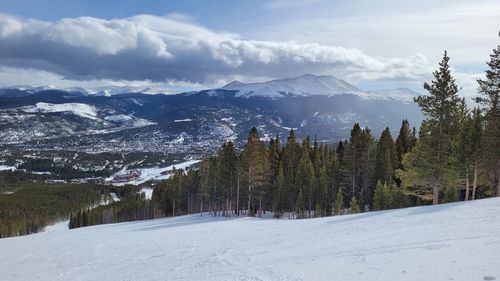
(459, 241)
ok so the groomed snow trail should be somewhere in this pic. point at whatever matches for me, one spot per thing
(459, 241)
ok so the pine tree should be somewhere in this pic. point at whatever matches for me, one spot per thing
(405, 141)
(450, 194)
(291, 158)
(340, 151)
(255, 161)
(379, 197)
(227, 173)
(299, 206)
(441, 108)
(353, 206)
(386, 161)
(279, 195)
(305, 175)
(476, 141)
(489, 91)
(339, 203)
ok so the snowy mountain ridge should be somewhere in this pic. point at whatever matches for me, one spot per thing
(301, 86)
(312, 85)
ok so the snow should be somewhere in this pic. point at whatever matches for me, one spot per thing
(148, 192)
(118, 118)
(7, 168)
(115, 197)
(59, 226)
(459, 241)
(311, 85)
(154, 173)
(402, 94)
(305, 85)
(80, 109)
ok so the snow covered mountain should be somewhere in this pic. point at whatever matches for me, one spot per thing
(458, 241)
(96, 91)
(311, 85)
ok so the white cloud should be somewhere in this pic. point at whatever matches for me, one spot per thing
(174, 51)
(162, 48)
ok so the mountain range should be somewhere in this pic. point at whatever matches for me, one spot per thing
(133, 119)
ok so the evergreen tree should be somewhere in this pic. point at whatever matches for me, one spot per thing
(255, 161)
(405, 141)
(339, 203)
(279, 195)
(340, 151)
(441, 108)
(379, 197)
(305, 175)
(450, 194)
(489, 92)
(353, 206)
(386, 161)
(291, 157)
(227, 164)
(299, 205)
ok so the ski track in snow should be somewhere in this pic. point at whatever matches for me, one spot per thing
(459, 241)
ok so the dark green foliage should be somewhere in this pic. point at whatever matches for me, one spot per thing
(131, 207)
(339, 203)
(386, 160)
(31, 206)
(405, 141)
(489, 93)
(299, 206)
(353, 206)
(439, 130)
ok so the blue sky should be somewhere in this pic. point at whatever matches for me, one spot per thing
(189, 44)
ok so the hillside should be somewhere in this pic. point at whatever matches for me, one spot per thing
(458, 241)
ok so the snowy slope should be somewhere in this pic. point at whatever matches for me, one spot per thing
(312, 85)
(305, 85)
(80, 109)
(458, 241)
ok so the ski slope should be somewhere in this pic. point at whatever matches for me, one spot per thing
(459, 241)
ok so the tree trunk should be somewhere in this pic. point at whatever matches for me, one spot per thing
(310, 201)
(474, 184)
(260, 206)
(466, 184)
(201, 208)
(238, 197)
(250, 174)
(435, 195)
(498, 178)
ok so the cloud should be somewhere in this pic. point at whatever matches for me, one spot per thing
(174, 48)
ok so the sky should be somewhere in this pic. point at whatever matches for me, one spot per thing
(188, 45)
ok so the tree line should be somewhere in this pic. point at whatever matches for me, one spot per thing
(30, 208)
(131, 207)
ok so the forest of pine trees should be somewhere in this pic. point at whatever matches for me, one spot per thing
(455, 156)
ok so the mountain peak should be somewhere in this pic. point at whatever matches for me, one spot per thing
(235, 83)
(304, 85)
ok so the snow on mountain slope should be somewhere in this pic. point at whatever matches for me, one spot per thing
(459, 241)
(402, 94)
(305, 85)
(80, 109)
(312, 85)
